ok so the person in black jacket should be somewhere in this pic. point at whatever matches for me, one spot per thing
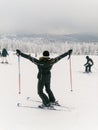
(88, 64)
(44, 65)
(4, 55)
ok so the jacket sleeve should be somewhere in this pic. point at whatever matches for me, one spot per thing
(32, 59)
(56, 59)
(92, 62)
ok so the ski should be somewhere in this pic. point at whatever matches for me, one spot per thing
(30, 99)
(4, 63)
(37, 107)
(56, 106)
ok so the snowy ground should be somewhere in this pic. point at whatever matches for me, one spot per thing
(82, 102)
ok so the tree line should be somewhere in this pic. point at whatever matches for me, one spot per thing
(34, 47)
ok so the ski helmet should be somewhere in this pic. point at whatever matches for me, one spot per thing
(87, 57)
(46, 53)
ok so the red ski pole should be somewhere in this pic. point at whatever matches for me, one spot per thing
(19, 77)
(70, 73)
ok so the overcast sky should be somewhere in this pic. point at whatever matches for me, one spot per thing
(48, 16)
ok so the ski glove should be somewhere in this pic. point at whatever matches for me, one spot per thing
(18, 52)
(69, 53)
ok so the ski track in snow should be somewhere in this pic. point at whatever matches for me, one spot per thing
(83, 101)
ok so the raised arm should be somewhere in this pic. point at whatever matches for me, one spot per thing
(63, 55)
(34, 60)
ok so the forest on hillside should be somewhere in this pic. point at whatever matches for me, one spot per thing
(38, 45)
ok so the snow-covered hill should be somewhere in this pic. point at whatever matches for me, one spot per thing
(75, 37)
(82, 103)
(82, 44)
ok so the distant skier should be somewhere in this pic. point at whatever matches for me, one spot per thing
(4, 55)
(44, 65)
(0, 54)
(88, 64)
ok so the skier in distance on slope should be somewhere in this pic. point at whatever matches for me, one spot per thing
(4, 55)
(44, 65)
(88, 64)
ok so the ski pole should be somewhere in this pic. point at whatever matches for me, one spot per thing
(70, 73)
(19, 77)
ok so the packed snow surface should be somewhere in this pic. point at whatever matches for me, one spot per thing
(82, 102)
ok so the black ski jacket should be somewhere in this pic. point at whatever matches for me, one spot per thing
(4, 52)
(44, 64)
(89, 62)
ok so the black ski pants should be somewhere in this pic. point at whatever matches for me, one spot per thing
(46, 99)
(88, 68)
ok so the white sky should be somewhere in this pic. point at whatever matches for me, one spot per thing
(48, 16)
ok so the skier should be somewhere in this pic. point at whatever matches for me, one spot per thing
(44, 65)
(0, 54)
(88, 64)
(4, 55)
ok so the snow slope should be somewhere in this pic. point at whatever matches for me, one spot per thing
(82, 103)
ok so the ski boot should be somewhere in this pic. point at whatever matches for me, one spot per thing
(55, 103)
(48, 106)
